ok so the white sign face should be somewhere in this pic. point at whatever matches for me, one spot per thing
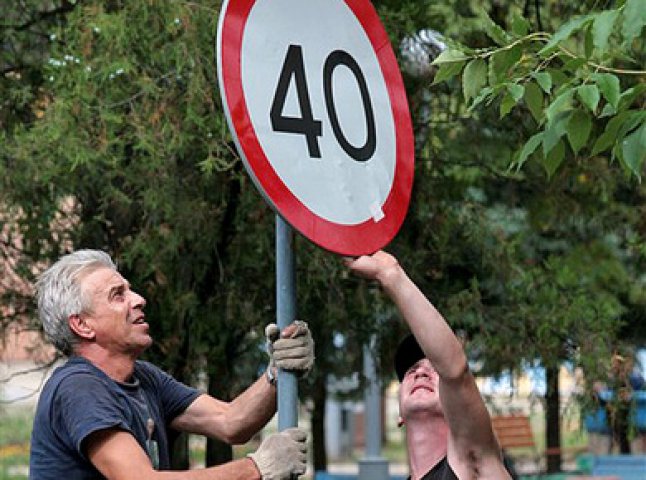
(318, 110)
(329, 182)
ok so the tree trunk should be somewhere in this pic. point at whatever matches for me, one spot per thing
(553, 420)
(178, 442)
(218, 452)
(178, 446)
(318, 424)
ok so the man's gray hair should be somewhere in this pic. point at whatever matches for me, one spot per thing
(59, 294)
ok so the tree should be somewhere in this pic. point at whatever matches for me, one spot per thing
(507, 225)
(114, 138)
(571, 84)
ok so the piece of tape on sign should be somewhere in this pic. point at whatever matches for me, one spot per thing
(376, 211)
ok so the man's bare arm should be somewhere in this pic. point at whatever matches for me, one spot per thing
(118, 456)
(233, 422)
(464, 409)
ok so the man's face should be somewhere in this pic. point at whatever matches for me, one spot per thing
(116, 315)
(419, 391)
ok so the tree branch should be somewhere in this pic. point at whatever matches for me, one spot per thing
(40, 368)
(65, 7)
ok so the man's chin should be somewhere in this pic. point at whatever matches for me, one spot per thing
(424, 407)
(143, 344)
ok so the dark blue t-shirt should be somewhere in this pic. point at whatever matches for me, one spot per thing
(80, 399)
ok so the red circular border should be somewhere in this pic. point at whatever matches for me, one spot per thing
(359, 239)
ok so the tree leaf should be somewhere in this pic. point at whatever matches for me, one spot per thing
(589, 95)
(555, 130)
(634, 150)
(578, 129)
(633, 119)
(519, 25)
(516, 90)
(609, 86)
(485, 94)
(602, 28)
(450, 56)
(534, 100)
(574, 64)
(568, 28)
(609, 136)
(494, 31)
(608, 111)
(474, 78)
(529, 148)
(447, 71)
(634, 20)
(589, 42)
(544, 79)
(553, 161)
(560, 103)
(627, 97)
(501, 62)
(506, 104)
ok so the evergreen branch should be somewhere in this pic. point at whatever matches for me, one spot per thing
(65, 7)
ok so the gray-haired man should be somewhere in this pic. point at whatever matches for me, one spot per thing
(105, 414)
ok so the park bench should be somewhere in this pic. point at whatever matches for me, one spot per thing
(513, 431)
(516, 438)
(624, 467)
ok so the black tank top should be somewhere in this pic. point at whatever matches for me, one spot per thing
(441, 471)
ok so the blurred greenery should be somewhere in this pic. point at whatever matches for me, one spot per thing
(113, 136)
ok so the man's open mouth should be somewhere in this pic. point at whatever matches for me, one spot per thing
(421, 387)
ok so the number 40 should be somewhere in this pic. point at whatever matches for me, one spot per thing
(306, 124)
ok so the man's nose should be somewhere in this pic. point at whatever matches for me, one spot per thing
(138, 301)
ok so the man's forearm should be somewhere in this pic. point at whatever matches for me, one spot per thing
(243, 469)
(433, 334)
(251, 410)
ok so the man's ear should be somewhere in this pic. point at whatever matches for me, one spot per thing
(81, 327)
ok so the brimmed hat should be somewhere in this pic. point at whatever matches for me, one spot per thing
(408, 354)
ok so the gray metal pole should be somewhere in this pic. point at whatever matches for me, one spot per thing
(372, 399)
(286, 314)
(372, 466)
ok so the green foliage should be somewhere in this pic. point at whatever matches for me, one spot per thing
(591, 62)
(117, 137)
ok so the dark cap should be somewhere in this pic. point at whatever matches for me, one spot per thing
(408, 354)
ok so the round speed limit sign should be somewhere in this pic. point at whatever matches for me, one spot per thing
(317, 107)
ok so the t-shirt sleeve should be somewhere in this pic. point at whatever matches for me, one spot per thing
(175, 396)
(83, 405)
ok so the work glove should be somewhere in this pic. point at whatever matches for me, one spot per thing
(295, 352)
(282, 455)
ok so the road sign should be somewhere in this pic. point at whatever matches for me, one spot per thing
(317, 107)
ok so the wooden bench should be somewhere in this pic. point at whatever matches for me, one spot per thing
(513, 431)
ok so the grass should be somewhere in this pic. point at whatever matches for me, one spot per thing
(15, 430)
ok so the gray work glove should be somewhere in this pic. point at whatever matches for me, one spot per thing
(295, 353)
(282, 456)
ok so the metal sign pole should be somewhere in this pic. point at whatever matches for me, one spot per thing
(286, 314)
(372, 466)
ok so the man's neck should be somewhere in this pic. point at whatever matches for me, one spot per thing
(427, 441)
(118, 367)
